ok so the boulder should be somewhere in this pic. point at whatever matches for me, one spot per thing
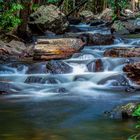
(122, 52)
(86, 15)
(13, 49)
(48, 17)
(126, 27)
(123, 111)
(107, 15)
(119, 28)
(133, 72)
(48, 49)
(97, 39)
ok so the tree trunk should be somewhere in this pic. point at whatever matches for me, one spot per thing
(133, 5)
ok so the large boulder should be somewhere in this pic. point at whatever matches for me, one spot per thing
(48, 49)
(122, 52)
(133, 72)
(48, 17)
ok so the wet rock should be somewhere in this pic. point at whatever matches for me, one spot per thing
(74, 20)
(127, 26)
(133, 72)
(35, 79)
(97, 23)
(48, 17)
(48, 49)
(37, 68)
(86, 15)
(119, 28)
(58, 67)
(115, 80)
(95, 66)
(97, 39)
(13, 49)
(123, 111)
(122, 52)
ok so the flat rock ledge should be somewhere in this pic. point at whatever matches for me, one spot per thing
(122, 52)
(62, 48)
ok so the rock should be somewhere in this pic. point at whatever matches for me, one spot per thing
(48, 49)
(123, 111)
(13, 49)
(8, 88)
(58, 67)
(97, 39)
(133, 72)
(129, 13)
(126, 27)
(48, 17)
(86, 15)
(107, 15)
(95, 66)
(119, 28)
(97, 22)
(74, 20)
(122, 52)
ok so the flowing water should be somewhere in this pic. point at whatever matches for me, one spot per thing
(70, 105)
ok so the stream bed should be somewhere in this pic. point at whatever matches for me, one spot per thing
(68, 106)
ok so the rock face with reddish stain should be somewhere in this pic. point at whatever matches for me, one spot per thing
(133, 72)
(122, 52)
(95, 66)
(48, 49)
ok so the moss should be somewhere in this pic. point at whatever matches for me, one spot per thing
(132, 36)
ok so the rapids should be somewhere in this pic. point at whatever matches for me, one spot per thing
(35, 105)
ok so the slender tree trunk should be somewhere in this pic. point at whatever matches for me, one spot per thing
(133, 5)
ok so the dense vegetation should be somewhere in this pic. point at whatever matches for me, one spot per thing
(12, 10)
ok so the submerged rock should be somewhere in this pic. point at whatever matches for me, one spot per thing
(122, 52)
(97, 39)
(48, 49)
(48, 17)
(133, 72)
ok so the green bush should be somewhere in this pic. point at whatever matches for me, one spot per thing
(9, 17)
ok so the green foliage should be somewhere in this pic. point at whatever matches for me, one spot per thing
(136, 113)
(119, 4)
(8, 17)
(52, 1)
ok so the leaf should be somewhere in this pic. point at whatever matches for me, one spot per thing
(136, 113)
